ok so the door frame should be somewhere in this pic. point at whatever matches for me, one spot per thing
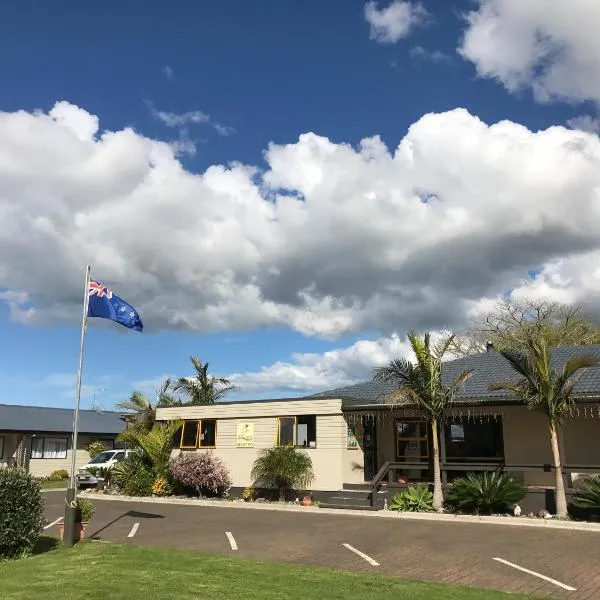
(371, 426)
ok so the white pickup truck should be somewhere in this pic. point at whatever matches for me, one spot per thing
(104, 460)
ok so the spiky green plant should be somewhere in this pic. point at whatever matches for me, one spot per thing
(588, 494)
(284, 467)
(415, 498)
(486, 492)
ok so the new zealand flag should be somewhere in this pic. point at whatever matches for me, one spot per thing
(104, 304)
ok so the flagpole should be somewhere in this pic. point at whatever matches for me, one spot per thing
(72, 490)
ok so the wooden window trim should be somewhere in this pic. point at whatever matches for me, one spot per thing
(294, 433)
(181, 446)
(199, 441)
(419, 439)
(44, 438)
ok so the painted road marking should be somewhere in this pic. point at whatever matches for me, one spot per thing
(231, 540)
(564, 586)
(54, 523)
(133, 530)
(361, 554)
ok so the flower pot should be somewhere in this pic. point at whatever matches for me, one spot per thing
(306, 501)
(78, 533)
(402, 479)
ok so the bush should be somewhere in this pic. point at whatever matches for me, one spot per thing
(284, 467)
(84, 511)
(161, 486)
(21, 513)
(133, 476)
(58, 475)
(485, 493)
(94, 448)
(588, 494)
(204, 472)
(415, 498)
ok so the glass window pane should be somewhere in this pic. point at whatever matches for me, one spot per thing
(408, 429)
(55, 448)
(286, 431)
(37, 448)
(189, 435)
(1, 446)
(208, 432)
(481, 441)
(306, 432)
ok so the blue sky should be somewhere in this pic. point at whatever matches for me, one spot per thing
(225, 80)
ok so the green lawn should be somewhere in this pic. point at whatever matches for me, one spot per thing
(54, 485)
(101, 571)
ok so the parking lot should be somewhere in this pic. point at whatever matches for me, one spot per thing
(545, 562)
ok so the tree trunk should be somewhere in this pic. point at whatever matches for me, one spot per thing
(438, 496)
(561, 497)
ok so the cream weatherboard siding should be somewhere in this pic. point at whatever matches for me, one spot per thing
(8, 447)
(329, 457)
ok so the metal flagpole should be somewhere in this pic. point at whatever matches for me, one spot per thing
(72, 490)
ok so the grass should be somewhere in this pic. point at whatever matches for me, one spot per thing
(96, 571)
(54, 485)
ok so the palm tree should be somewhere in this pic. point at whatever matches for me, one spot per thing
(548, 390)
(156, 444)
(202, 388)
(142, 412)
(421, 385)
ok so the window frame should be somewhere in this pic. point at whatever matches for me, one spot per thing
(198, 442)
(2, 444)
(49, 437)
(295, 432)
(497, 431)
(413, 438)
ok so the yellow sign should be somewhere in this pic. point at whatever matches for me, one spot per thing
(245, 435)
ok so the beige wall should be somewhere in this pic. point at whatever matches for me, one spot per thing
(332, 462)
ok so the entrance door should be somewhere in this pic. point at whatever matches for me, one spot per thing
(369, 448)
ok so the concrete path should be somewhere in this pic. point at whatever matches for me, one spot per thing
(545, 562)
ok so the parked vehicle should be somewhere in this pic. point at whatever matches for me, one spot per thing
(88, 474)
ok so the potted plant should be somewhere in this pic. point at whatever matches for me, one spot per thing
(84, 510)
(306, 501)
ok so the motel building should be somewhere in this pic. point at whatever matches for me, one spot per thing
(364, 449)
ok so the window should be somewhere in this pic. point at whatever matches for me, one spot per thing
(1, 446)
(102, 458)
(189, 434)
(48, 447)
(298, 431)
(208, 433)
(412, 441)
(474, 442)
(199, 434)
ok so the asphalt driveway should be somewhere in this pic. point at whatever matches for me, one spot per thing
(544, 562)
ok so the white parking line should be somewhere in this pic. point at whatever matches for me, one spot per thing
(231, 540)
(133, 530)
(361, 554)
(564, 586)
(53, 523)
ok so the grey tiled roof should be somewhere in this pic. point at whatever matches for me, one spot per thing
(58, 420)
(488, 367)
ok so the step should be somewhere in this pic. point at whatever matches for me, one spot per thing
(363, 487)
(349, 500)
(347, 506)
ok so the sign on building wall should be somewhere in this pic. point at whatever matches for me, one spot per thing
(351, 441)
(245, 435)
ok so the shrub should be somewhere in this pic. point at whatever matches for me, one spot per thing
(21, 513)
(161, 486)
(94, 448)
(588, 494)
(84, 510)
(133, 476)
(204, 472)
(415, 498)
(249, 494)
(485, 493)
(285, 467)
(58, 475)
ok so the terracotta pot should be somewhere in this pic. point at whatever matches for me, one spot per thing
(402, 479)
(79, 532)
(306, 501)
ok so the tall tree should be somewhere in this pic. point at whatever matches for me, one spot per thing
(141, 411)
(420, 385)
(514, 324)
(203, 388)
(549, 391)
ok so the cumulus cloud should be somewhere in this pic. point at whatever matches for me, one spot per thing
(552, 47)
(585, 123)
(327, 239)
(435, 56)
(395, 21)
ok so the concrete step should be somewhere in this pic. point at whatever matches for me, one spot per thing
(347, 506)
(346, 500)
(363, 487)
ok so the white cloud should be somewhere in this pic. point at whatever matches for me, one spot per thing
(395, 21)
(182, 120)
(585, 123)
(435, 56)
(224, 130)
(176, 120)
(329, 239)
(553, 47)
(167, 72)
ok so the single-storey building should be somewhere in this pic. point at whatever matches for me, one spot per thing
(40, 438)
(357, 440)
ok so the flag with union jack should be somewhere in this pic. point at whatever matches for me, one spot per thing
(104, 304)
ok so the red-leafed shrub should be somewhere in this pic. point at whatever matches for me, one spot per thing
(203, 472)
